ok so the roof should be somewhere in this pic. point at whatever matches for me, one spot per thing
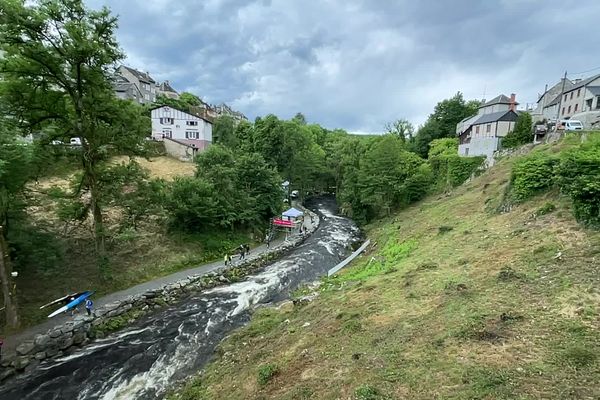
(183, 111)
(292, 212)
(166, 87)
(555, 101)
(583, 83)
(501, 99)
(142, 76)
(493, 117)
(595, 90)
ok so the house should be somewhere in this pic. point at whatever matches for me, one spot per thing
(167, 90)
(145, 86)
(547, 104)
(224, 109)
(178, 127)
(481, 134)
(582, 102)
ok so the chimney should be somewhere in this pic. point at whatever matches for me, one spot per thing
(512, 105)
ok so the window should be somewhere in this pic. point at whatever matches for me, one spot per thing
(578, 92)
(191, 123)
(563, 111)
(575, 110)
(565, 97)
(167, 133)
(488, 128)
(466, 151)
(571, 96)
(569, 110)
(192, 135)
(477, 129)
(597, 103)
(147, 96)
(166, 121)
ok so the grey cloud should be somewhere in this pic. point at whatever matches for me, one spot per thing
(356, 64)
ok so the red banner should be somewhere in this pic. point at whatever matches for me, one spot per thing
(282, 222)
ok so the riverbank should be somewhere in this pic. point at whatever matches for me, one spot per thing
(453, 299)
(55, 338)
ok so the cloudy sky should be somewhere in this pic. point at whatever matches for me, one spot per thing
(356, 64)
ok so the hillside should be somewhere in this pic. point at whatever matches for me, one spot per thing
(453, 300)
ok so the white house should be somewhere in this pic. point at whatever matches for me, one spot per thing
(181, 127)
(481, 134)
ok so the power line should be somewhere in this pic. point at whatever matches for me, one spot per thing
(583, 72)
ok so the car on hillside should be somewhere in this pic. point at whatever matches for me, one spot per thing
(572, 125)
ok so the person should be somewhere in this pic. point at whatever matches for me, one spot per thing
(229, 258)
(268, 239)
(247, 246)
(88, 306)
(242, 251)
(226, 259)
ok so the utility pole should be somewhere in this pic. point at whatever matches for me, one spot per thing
(562, 90)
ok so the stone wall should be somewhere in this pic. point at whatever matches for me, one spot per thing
(67, 338)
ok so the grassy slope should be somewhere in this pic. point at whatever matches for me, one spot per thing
(135, 257)
(485, 310)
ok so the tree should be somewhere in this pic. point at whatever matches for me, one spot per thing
(56, 78)
(522, 134)
(445, 146)
(224, 131)
(401, 128)
(15, 161)
(299, 118)
(442, 122)
(190, 99)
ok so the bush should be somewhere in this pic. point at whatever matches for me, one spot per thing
(532, 174)
(578, 175)
(368, 392)
(522, 134)
(451, 170)
(266, 373)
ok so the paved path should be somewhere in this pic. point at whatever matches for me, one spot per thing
(11, 342)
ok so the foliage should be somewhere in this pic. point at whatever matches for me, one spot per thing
(442, 122)
(578, 175)
(368, 392)
(532, 174)
(224, 131)
(522, 134)
(228, 190)
(56, 79)
(449, 169)
(266, 373)
(401, 128)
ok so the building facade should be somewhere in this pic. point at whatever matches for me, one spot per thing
(582, 102)
(168, 122)
(165, 89)
(143, 82)
(481, 134)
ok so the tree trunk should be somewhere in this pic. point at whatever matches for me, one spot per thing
(98, 221)
(8, 287)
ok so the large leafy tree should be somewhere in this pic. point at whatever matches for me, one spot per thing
(401, 128)
(522, 134)
(15, 166)
(224, 131)
(56, 78)
(442, 122)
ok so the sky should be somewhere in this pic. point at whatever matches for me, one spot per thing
(357, 64)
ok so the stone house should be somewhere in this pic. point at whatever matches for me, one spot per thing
(582, 102)
(482, 133)
(145, 86)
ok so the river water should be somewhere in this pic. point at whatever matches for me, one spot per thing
(160, 349)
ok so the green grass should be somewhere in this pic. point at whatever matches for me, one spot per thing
(501, 306)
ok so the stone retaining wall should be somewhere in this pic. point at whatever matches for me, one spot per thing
(67, 338)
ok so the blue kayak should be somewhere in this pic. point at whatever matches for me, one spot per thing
(72, 304)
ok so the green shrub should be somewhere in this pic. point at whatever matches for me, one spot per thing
(545, 209)
(451, 170)
(266, 373)
(578, 175)
(532, 174)
(522, 134)
(368, 392)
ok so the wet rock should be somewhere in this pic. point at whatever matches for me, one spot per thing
(52, 350)
(40, 356)
(41, 340)
(20, 363)
(6, 373)
(67, 327)
(25, 348)
(79, 337)
(65, 342)
(56, 332)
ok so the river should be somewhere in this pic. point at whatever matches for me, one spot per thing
(162, 348)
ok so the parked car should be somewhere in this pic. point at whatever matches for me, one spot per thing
(572, 125)
(75, 141)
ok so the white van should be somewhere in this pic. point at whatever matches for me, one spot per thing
(572, 125)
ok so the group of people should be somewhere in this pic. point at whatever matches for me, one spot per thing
(243, 250)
